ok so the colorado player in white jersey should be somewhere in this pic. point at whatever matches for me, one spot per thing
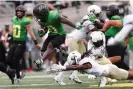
(96, 47)
(88, 65)
(75, 39)
(126, 29)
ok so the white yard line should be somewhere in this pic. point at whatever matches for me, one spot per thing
(24, 85)
(42, 76)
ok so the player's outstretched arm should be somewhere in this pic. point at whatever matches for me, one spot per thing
(78, 67)
(65, 20)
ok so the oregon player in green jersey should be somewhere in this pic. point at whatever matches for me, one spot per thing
(112, 14)
(52, 22)
(21, 25)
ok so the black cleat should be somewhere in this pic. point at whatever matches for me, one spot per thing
(11, 74)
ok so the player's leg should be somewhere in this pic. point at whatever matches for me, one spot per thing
(10, 55)
(130, 74)
(46, 50)
(105, 80)
(9, 72)
(81, 48)
(74, 77)
(56, 43)
(130, 59)
(59, 77)
(114, 59)
(19, 52)
(117, 50)
(75, 45)
(117, 73)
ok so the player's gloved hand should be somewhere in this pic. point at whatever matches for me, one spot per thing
(57, 68)
(92, 18)
(38, 63)
(111, 42)
(78, 27)
(90, 76)
(41, 32)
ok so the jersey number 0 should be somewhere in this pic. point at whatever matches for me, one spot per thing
(16, 31)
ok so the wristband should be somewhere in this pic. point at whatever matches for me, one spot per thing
(35, 42)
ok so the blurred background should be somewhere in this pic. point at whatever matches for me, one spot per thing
(73, 9)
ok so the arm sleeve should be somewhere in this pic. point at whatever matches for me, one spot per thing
(124, 32)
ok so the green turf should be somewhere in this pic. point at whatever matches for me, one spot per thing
(41, 80)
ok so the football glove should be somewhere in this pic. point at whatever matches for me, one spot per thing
(90, 76)
(57, 68)
(38, 63)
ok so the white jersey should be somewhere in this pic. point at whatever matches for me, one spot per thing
(82, 33)
(97, 51)
(77, 34)
(97, 69)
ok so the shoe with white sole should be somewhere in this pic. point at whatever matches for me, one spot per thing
(102, 82)
(18, 81)
(59, 80)
(75, 79)
(111, 81)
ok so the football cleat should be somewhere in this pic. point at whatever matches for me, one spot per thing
(18, 81)
(75, 79)
(59, 80)
(22, 75)
(102, 82)
(11, 74)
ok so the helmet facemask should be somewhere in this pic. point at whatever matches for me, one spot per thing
(20, 11)
(98, 43)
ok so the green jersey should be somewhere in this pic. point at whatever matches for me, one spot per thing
(19, 29)
(54, 26)
(130, 46)
(112, 31)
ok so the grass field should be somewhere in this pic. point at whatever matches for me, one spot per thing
(41, 80)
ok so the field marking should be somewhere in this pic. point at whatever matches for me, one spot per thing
(42, 76)
(117, 85)
(24, 85)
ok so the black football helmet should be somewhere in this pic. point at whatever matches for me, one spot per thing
(41, 11)
(20, 8)
(112, 10)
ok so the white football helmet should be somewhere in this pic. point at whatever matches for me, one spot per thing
(97, 38)
(94, 9)
(73, 57)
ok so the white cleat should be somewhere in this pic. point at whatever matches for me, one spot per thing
(18, 81)
(102, 82)
(111, 81)
(75, 79)
(59, 80)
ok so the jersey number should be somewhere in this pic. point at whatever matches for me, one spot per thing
(16, 31)
(52, 29)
